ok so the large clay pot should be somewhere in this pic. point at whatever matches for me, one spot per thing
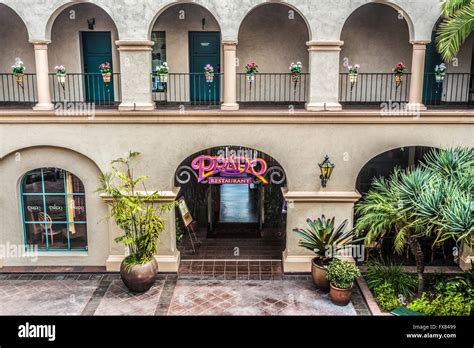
(139, 278)
(319, 273)
(340, 297)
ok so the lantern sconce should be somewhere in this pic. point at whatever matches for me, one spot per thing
(91, 23)
(326, 168)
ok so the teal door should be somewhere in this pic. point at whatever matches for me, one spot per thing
(97, 49)
(432, 91)
(204, 48)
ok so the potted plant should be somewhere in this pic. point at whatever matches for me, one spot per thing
(353, 74)
(325, 241)
(19, 71)
(295, 69)
(61, 74)
(106, 71)
(209, 73)
(163, 71)
(139, 216)
(440, 72)
(399, 70)
(251, 69)
(342, 275)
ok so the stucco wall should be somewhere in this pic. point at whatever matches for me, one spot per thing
(376, 38)
(272, 36)
(12, 169)
(14, 42)
(65, 47)
(164, 146)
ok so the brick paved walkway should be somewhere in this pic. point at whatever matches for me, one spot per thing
(105, 294)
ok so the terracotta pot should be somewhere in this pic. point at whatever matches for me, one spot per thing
(19, 78)
(319, 273)
(295, 77)
(139, 278)
(164, 78)
(106, 77)
(340, 297)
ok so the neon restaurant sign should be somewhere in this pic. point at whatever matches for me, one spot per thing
(230, 170)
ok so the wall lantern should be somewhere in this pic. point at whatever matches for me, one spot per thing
(203, 22)
(326, 168)
(91, 23)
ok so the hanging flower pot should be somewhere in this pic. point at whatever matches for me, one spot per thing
(164, 78)
(19, 77)
(61, 74)
(250, 78)
(295, 77)
(353, 74)
(163, 71)
(399, 71)
(295, 70)
(440, 72)
(251, 69)
(19, 71)
(209, 73)
(106, 71)
(209, 77)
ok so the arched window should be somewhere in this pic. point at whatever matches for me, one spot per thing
(54, 210)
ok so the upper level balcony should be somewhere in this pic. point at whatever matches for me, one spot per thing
(188, 36)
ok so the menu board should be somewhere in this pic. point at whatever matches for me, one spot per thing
(185, 214)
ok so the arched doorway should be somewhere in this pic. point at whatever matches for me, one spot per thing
(187, 38)
(383, 165)
(233, 195)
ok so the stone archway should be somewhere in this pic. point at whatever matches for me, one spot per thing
(234, 197)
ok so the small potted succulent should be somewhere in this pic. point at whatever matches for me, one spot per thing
(251, 69)
(209, 73)
(106, 71)
(325, 241)
(163, 71)
(440, 72)
(296, 69)
(61, 74)
(341, 275)
(19, 71)
(398, 71)
(353, 74)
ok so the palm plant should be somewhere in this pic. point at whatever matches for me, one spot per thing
(134, 211)
(323, 239)
(456, 27)
(431, 200)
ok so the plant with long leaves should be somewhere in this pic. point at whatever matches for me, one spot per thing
(432, 200)
(323, 239)
(457, 25)
(137, 213)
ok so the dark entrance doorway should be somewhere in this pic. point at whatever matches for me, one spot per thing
(204, 48)
(96, 49)
(237, 202)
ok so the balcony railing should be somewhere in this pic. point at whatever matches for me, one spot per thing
(18, 91)
(187, 89)
(455, 89)
(272, 88)
(373, 88)
(85, 88)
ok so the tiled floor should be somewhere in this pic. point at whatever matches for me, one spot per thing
(233, 269)
(105, 294)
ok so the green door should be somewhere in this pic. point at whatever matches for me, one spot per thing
(432, 91)
(97, 49)
(204, 48)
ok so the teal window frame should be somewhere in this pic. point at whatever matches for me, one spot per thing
(45, 222)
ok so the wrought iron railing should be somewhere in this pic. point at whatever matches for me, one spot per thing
(187, 88)
(86, 88)
(18, 90)
(373, 88)
(452, 89)
(272, 88)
